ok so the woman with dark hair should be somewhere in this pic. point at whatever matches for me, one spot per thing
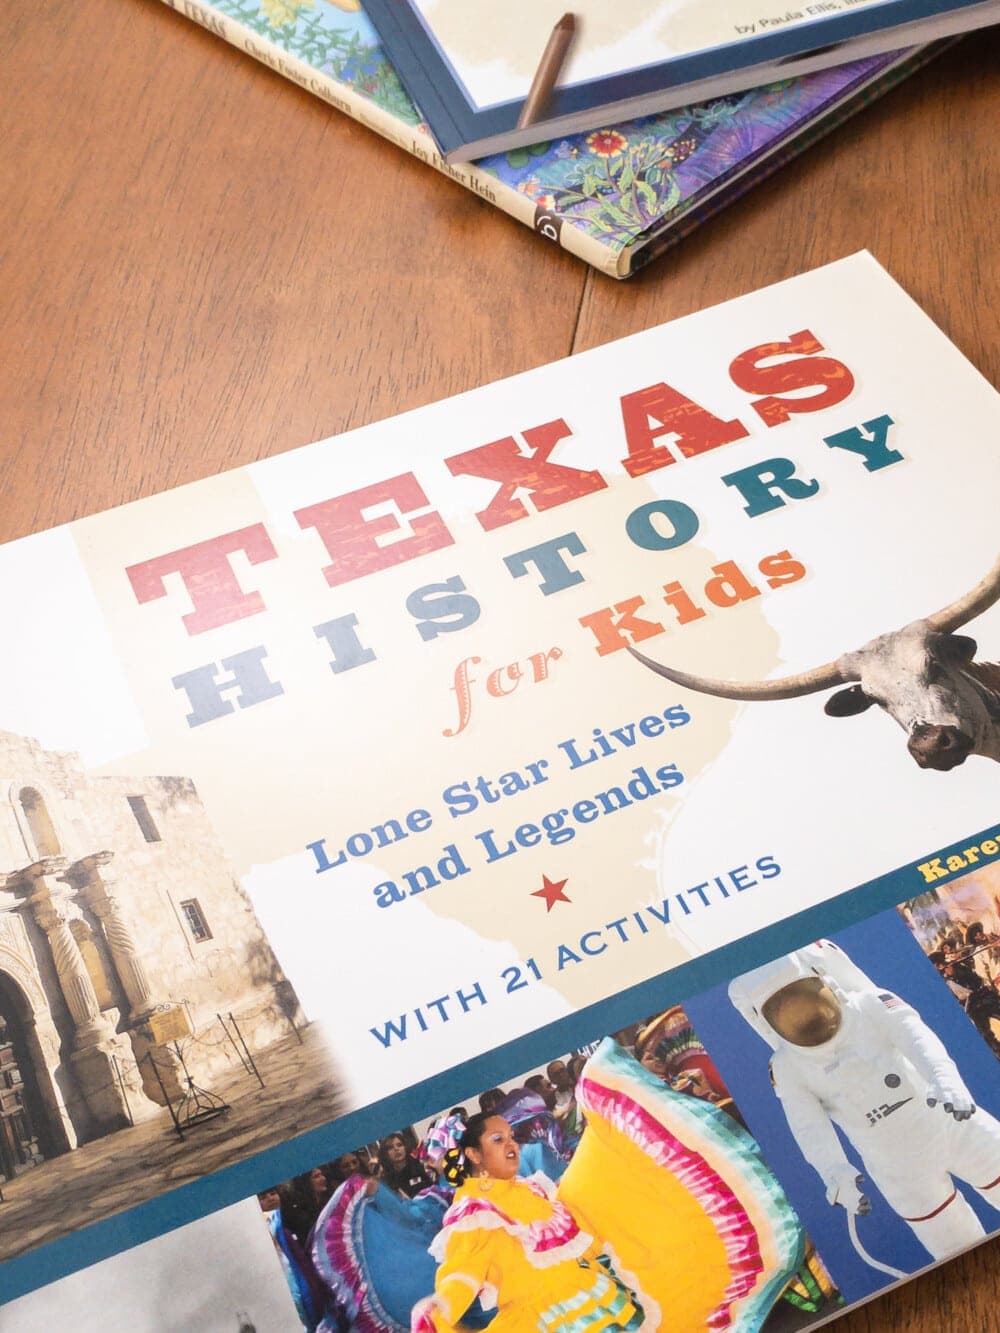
(370, 1250)
(537, 1131)
(702, 1233)
(490, 1099)
(564, 1104)
(514, 1242)
(401, 1171)
(307, 1198)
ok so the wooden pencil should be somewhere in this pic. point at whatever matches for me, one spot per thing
(549, 67)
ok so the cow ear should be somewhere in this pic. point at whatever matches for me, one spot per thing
(845, 703)
(957, 648)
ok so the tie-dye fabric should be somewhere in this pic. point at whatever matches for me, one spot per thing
(693, 1217)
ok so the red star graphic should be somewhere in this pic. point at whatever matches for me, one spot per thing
(552, 892)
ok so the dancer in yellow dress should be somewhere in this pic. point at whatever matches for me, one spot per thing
(695, 1233)
(513, 1243)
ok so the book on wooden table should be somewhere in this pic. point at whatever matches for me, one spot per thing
(618, 765)
(470, 66)
(616, 197)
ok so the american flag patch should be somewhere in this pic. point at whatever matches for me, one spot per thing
(891, 1001)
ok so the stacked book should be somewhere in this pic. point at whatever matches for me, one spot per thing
(617, 195)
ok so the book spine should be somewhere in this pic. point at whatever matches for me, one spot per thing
(413, 139)
(654, 243)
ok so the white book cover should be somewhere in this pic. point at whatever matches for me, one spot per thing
(343, 791)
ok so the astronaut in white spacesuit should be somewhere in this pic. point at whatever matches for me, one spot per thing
(849, 1053)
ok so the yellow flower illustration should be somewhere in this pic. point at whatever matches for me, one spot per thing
(279, 13)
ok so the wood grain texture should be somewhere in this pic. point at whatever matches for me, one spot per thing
(202, 266)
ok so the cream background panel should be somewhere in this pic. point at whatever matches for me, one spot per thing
(495, 48)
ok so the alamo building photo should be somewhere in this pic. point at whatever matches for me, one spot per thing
(133, 968)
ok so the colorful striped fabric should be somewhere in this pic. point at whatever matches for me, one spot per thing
(696, 1222)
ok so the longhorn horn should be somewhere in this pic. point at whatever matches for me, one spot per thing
(788, 687)
(973, 604)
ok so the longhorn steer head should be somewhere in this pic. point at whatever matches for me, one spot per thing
(922, 675)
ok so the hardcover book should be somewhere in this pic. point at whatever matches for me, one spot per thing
(616, 197)
(470, 66)
(528, 861)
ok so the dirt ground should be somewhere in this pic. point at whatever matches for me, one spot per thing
(132, 1165)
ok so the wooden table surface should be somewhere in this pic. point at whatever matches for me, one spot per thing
(202, 266)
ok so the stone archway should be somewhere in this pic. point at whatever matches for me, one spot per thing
(26, 1010)
(27, 1134)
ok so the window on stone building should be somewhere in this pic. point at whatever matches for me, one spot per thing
(144, 819)
(195, 919)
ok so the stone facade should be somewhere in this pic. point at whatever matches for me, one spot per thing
(124, 937)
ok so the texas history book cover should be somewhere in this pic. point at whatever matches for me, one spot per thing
(531, 856)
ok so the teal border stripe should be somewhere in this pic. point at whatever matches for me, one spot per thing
(233, 1183)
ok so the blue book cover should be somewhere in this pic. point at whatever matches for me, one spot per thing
(470, 66)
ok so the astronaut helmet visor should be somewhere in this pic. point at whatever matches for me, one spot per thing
(804, 1013)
